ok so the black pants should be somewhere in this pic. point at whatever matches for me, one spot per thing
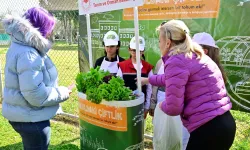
(217, 134)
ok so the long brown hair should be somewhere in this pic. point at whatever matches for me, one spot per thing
(214, 54)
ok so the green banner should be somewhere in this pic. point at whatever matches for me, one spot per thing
(226, 20)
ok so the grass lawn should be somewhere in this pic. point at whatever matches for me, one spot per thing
(63, 137)
(242, 140)
(66, 137)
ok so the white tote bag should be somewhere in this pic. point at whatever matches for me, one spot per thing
(167, 131)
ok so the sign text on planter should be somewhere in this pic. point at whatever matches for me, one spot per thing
(108, 117)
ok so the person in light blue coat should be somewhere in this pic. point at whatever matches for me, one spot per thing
(31, 92)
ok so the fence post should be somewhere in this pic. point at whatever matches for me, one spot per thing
(1, 83)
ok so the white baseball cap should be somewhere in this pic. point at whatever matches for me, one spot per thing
(204, 39)
(132, 43)
(110, 38)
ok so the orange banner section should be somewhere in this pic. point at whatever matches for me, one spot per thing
(108, 117)
(174, 9)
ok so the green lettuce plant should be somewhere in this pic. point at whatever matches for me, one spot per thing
(100, 85)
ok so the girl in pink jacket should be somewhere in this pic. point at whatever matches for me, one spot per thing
(194, 89)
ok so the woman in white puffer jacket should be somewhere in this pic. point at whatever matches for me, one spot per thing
(31, 93)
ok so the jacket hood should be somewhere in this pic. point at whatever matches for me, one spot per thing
(22, 32)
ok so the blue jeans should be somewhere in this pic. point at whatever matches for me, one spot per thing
(35, 135)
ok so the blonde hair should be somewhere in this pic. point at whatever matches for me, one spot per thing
(178, 33)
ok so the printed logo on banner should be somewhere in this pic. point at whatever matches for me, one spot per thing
(97, 6)
(125, 34)
(235, 57)
(86, 5)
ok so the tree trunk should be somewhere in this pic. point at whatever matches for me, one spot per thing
(70, 31)
(65, 24)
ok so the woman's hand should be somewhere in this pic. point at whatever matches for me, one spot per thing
(160, 105)
(72, 86)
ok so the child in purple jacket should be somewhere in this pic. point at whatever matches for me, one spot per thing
(194, 89)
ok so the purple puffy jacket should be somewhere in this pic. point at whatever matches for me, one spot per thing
(195, 89)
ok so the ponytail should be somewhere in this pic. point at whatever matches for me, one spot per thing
(181, 42)
(194, 47)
